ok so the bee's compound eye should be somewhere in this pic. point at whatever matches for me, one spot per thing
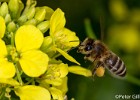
(88, 48)
(100, 71)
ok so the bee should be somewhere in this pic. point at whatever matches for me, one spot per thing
(98, 53)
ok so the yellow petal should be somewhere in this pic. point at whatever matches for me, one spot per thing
(67, 56)
(9, 81)
(56, 94)
(3, 50)
(7, 69)
(28, 37)
(56, 82)
(34, 62)
(72, 39)
(63, 87)
(63, 69)
(80, 70)
(2, 27)
(31, 92)
(57, 21)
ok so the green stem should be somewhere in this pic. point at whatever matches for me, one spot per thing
(12, 38)
(3, 93)
(133, 79)
(30, 81)
(18, 75)
(88, 28)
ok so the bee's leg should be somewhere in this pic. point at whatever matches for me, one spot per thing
(87, 57)
(99, 63)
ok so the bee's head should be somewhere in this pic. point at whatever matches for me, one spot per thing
(86, 46)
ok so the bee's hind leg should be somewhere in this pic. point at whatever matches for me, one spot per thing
(99, 63)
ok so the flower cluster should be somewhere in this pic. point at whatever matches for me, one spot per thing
(31, 38)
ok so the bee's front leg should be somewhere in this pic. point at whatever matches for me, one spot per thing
(89, 57)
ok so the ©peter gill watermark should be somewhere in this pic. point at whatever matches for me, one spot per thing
(127, 96)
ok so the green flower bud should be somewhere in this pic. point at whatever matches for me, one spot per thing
(30, 13)
(47, 44)
(7, 18)
(22, 19)
(49, 11)
(40, 14)
(21, 7)
(11, 27)
(9, 48)
(13, 7)
(31, 2)
(31, 22)
(4, 9)
(43, 26)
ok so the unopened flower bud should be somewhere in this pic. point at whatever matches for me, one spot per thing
(9, 48)
(31, 22)
(22, 19)
(13, 7)
(49, 11)
(47, 44)
(7, 18)
(43, 26)
(11, 27)
(4, 9)
(30, 13)
(40, 14)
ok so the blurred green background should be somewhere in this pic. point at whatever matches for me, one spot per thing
(121, 27)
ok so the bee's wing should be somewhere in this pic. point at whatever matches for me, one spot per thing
(115, 65)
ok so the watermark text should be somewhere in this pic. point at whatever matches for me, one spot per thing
(127, 97)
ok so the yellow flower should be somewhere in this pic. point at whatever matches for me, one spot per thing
(63, 37)
(33, 62)
(28, 40)
(32, 92)
(55, 74)
(2, 27)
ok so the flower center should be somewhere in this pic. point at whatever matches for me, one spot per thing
(13, 55)
(53, 72)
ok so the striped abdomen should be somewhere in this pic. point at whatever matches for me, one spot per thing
(116, 65)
